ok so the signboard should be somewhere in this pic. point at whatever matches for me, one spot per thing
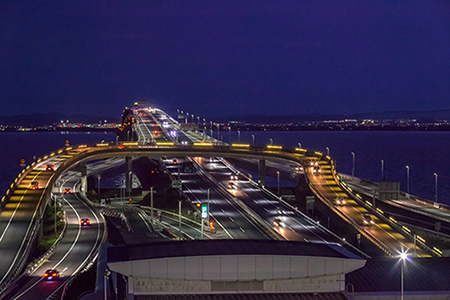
(204, 211)
(188, 167)
(309, 202)
(103, 202)
(22, 162)
(176, 184)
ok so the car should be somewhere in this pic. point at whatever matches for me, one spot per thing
(85, 222)
(67, 191)
(316, 170)
(339, 201)
(50, 168)
(233, 177)
(367, 220)
(277, 222)
(231, 186)
(34, 185)
(51, 274)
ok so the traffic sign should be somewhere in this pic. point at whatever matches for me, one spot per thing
(22, 162)
(176, 184)
(204, 211)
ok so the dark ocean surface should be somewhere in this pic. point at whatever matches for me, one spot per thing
(24, 145)
(424, 152)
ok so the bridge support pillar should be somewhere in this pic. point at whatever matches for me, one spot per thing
(262, 172)
(128, 173)
(83, 186)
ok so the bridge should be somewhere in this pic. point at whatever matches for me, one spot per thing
(23, 208)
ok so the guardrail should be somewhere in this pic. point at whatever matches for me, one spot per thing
(405, 231)
(36, 221)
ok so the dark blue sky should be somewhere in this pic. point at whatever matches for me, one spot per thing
(224, 57)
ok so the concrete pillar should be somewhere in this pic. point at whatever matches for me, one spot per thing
(83, 187)
(128, 171)
(262, 173)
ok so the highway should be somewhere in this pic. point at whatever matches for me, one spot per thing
(290, 224)
(17, 225)
(221, 206)
(326, 188)
(242, 211)
(77, 248)
(325, 185)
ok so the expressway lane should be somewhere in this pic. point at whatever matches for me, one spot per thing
(76, 249)
(288, 223)
(17, 224)
(221, 206)
(325, 185)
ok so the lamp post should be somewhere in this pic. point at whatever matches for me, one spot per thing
(271, 141)
(239, 135)
(151, 205)
(403, 258)
(253, 137)
(300, 145)
(407, 179)
(435, 188)
(218, 131)
(382, 170)
(353, 168)
(278, 182)
(328, 151)
(179, 218)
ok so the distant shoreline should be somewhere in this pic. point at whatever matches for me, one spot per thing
(250, 128)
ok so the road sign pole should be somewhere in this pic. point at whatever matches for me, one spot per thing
(179, 216)
(209, 211)
(202, 229)
(151, 205)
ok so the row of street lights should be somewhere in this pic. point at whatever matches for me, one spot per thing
(407, 175)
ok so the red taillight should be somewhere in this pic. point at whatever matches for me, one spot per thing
(46, 275)
(87, 221)
(54, 274)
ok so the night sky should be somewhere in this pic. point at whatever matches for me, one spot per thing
(224, 57)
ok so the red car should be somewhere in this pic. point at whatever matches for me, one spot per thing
(85, 222)
(51, 274)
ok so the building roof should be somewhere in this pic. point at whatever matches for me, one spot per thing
(259, 296)
(168, 249)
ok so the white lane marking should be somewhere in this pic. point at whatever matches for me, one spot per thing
(242, 229)
(231, 219)
(17, 207)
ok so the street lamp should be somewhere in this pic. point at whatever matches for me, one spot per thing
(353, 169)
(407, 179)
(328, 151)
(435, 187)
(382, 170)
(278, 182)
(403, 258)
(239, 135)
(300, 145)
(271, 141)
(253, 137)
